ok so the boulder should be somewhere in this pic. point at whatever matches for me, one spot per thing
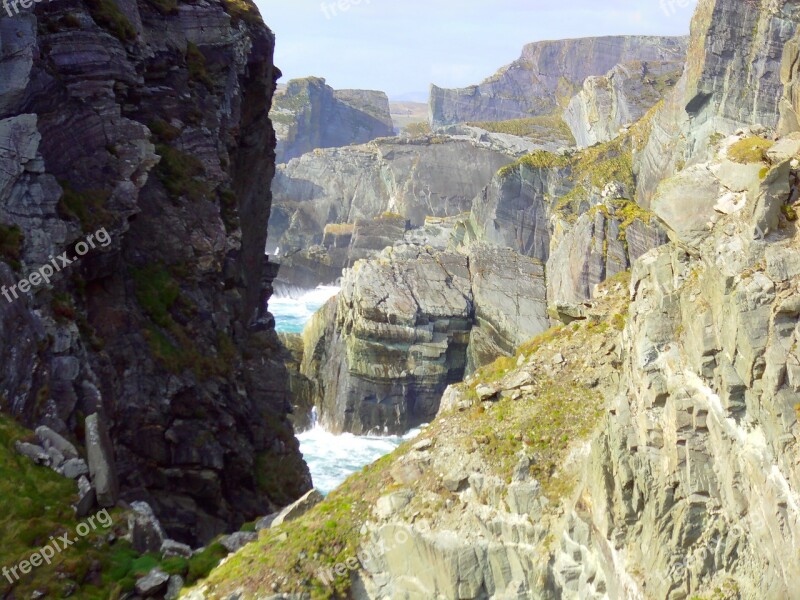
(152, 584)
(174, 588)
(171, 548)
(50, 439)
(298, 508)
(236, 541)
(266, 522)
(145, 529)
(100, 455)
(86, 498)
(74, 468)
(36, 453)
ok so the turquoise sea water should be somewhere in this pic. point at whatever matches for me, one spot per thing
(292, 313)
(331, 458)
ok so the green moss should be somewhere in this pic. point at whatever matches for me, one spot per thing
(156, 291)
(107, 15)
(181, 173)
(11, 240)
(539, 159)
(200, 565)
(750, 150)
(542, 128)
(789, 212)
(165, 7)
(196, 63)
(86, 206)
(163, 131)
(242, 10)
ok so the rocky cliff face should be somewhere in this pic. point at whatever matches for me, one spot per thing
(621, 97)
(738, 61)
(150, 122)
(647, 449)
(409, 179)
(411, 321)
(309, 114)
(545, 77)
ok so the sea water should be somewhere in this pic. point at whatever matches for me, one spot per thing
(330, 458)
(333, 458)
(293, 312)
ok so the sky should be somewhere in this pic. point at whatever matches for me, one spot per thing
(402, 46)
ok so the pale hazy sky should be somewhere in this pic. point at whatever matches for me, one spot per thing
(401, 46)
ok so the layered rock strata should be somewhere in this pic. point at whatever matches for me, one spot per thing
(309, 114)
(545, 77)
(150, 126)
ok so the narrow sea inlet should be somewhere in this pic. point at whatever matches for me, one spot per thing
(331, 458)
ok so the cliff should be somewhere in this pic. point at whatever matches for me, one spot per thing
(545, 77)
(647, 448)
(147, 122)
(621, 97)
(340, 190)
(739, 59)
(309, 114)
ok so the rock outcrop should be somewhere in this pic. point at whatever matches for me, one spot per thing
(409, 323)
(410, 179)
(145, 126)
(647, 449)
(545, 77)
(738, 60)
(309, 114)
(621, 97)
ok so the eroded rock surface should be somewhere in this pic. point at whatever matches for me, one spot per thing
(309, 114)
(153, 128)
(545, 74)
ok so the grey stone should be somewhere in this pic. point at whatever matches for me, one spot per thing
(86, 498)
(266, 522)
(174, 588)
(172, 548)
(236, 541)
(100, 455)
(49, 438)
(152, 584)
(145, 530)
(35, 453)
(298, 508)
(75, 468)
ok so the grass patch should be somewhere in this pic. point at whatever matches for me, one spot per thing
(180, 173)
(242, 11)
(86, 206)
(750, 150)
(11, 240)
(108, 16)
(196, 63)
(159, 295)
(339, 228)
(543, 128)
(539, 159)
